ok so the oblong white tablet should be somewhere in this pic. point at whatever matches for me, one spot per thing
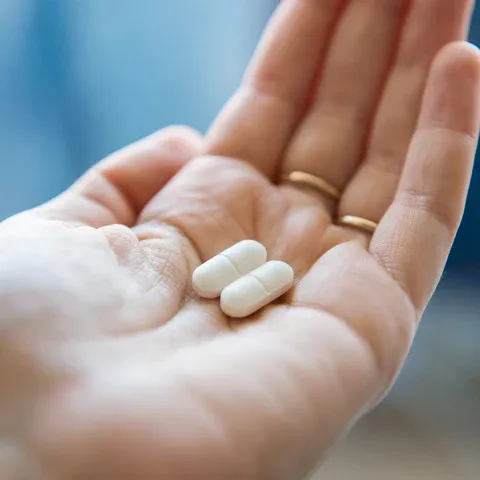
(256, 289)
(210, 278)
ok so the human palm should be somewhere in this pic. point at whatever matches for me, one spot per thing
(129, 374)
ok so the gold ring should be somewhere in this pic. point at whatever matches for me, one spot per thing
(358, 222)
(316, 183)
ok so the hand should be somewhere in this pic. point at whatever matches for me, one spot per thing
(116, 370)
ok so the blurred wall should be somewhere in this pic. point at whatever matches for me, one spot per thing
(81, 78)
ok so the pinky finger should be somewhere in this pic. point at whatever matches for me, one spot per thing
(414, 238)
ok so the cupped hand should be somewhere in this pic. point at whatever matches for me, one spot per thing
(115, 369)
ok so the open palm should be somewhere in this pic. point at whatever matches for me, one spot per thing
(142, 379)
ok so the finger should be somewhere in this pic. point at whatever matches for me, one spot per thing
(415, 236)
(116, 189)
(331, 140)
(259, 120)
(431, 25)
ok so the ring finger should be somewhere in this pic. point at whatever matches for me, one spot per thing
(331, 140)
(431, 24)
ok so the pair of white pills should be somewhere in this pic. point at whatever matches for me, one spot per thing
(243, 279)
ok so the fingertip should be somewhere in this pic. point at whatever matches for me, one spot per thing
(141, 169)
(178, 141)
(452, 96)
(458, 63)
(457, 56)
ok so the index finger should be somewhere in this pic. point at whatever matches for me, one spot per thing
(415, 236)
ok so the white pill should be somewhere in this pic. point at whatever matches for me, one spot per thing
(256, 289)
(210, 278)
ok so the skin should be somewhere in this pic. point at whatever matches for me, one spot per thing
(112, 368)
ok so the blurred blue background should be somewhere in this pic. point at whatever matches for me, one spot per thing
(81, 78)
